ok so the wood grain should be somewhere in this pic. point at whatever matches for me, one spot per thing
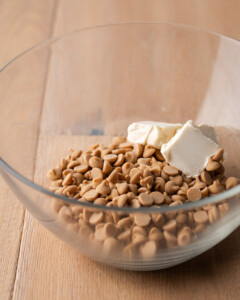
(47, 268)
(16, 35)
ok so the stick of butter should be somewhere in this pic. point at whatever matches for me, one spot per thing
(186, 147)
(190, 148)
(152, 133)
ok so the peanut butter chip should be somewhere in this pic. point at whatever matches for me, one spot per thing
(122, 188)
(184, 238)
(206, 177)
(113, 177)
(170, 170)
(142, 219)
(100, 234)
(155, 234)
(170, 226)
(148, 151)
(96, 218)
(194, 194)
(110, 230)
(145, 199)
(96, 162)
(91, 195)
(107, 167)
(231, 182)
(110, 157)
(159, 155)
(54, 174)
(118, 140)
(200, 217)
(81, 169)
(124, 236)
(158, 219)
(149, 249)
(212, 165)
(218, 155)
(215, 188)
(136, 177)
(96, 172)
(138, 239)
(169, 237)
(122, 200)
(120, 160)
(125, 222)
(126, 145)
(171, 187)
(157, 197)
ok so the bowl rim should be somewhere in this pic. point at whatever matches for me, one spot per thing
(165, 208)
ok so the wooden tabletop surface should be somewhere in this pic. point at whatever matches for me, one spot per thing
(34, 264)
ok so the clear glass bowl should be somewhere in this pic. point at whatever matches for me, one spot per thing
(84, 87)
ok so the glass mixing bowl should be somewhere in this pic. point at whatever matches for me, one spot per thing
(87, 86)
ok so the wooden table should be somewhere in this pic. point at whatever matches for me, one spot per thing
(36, 265)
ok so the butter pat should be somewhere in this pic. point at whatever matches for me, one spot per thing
(190, 148)
(206, 130)
(152, 133)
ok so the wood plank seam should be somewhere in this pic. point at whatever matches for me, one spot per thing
(51, 30)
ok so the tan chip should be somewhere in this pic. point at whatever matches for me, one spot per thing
(183, 238)
(81, 169)
(206, 177)
(147, 182)
(96, 173)
(170, 170)
(107, 167)
(135, 203)
(122, 188)
(159, 155)
(218, 155)
(149, 249)
(145, 199)
(110, 157)
(158, 219)
(200, 217)
(122, 200)
(54, 174)
(231, 182)
(194, 194)
(216, 188)
(124, 236)
(91, 195)
(212, 165)
(118, 140)
(120, 160)
(125, 222)
(142, 219)
(113, 177)
(96, 218)
(96, 162)
(157, 197)
(170, 225)
(100, 234)
(136, 177)
(155, 234)
(171, 187)
(110, 230)
(148, 151)
(138, 150)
